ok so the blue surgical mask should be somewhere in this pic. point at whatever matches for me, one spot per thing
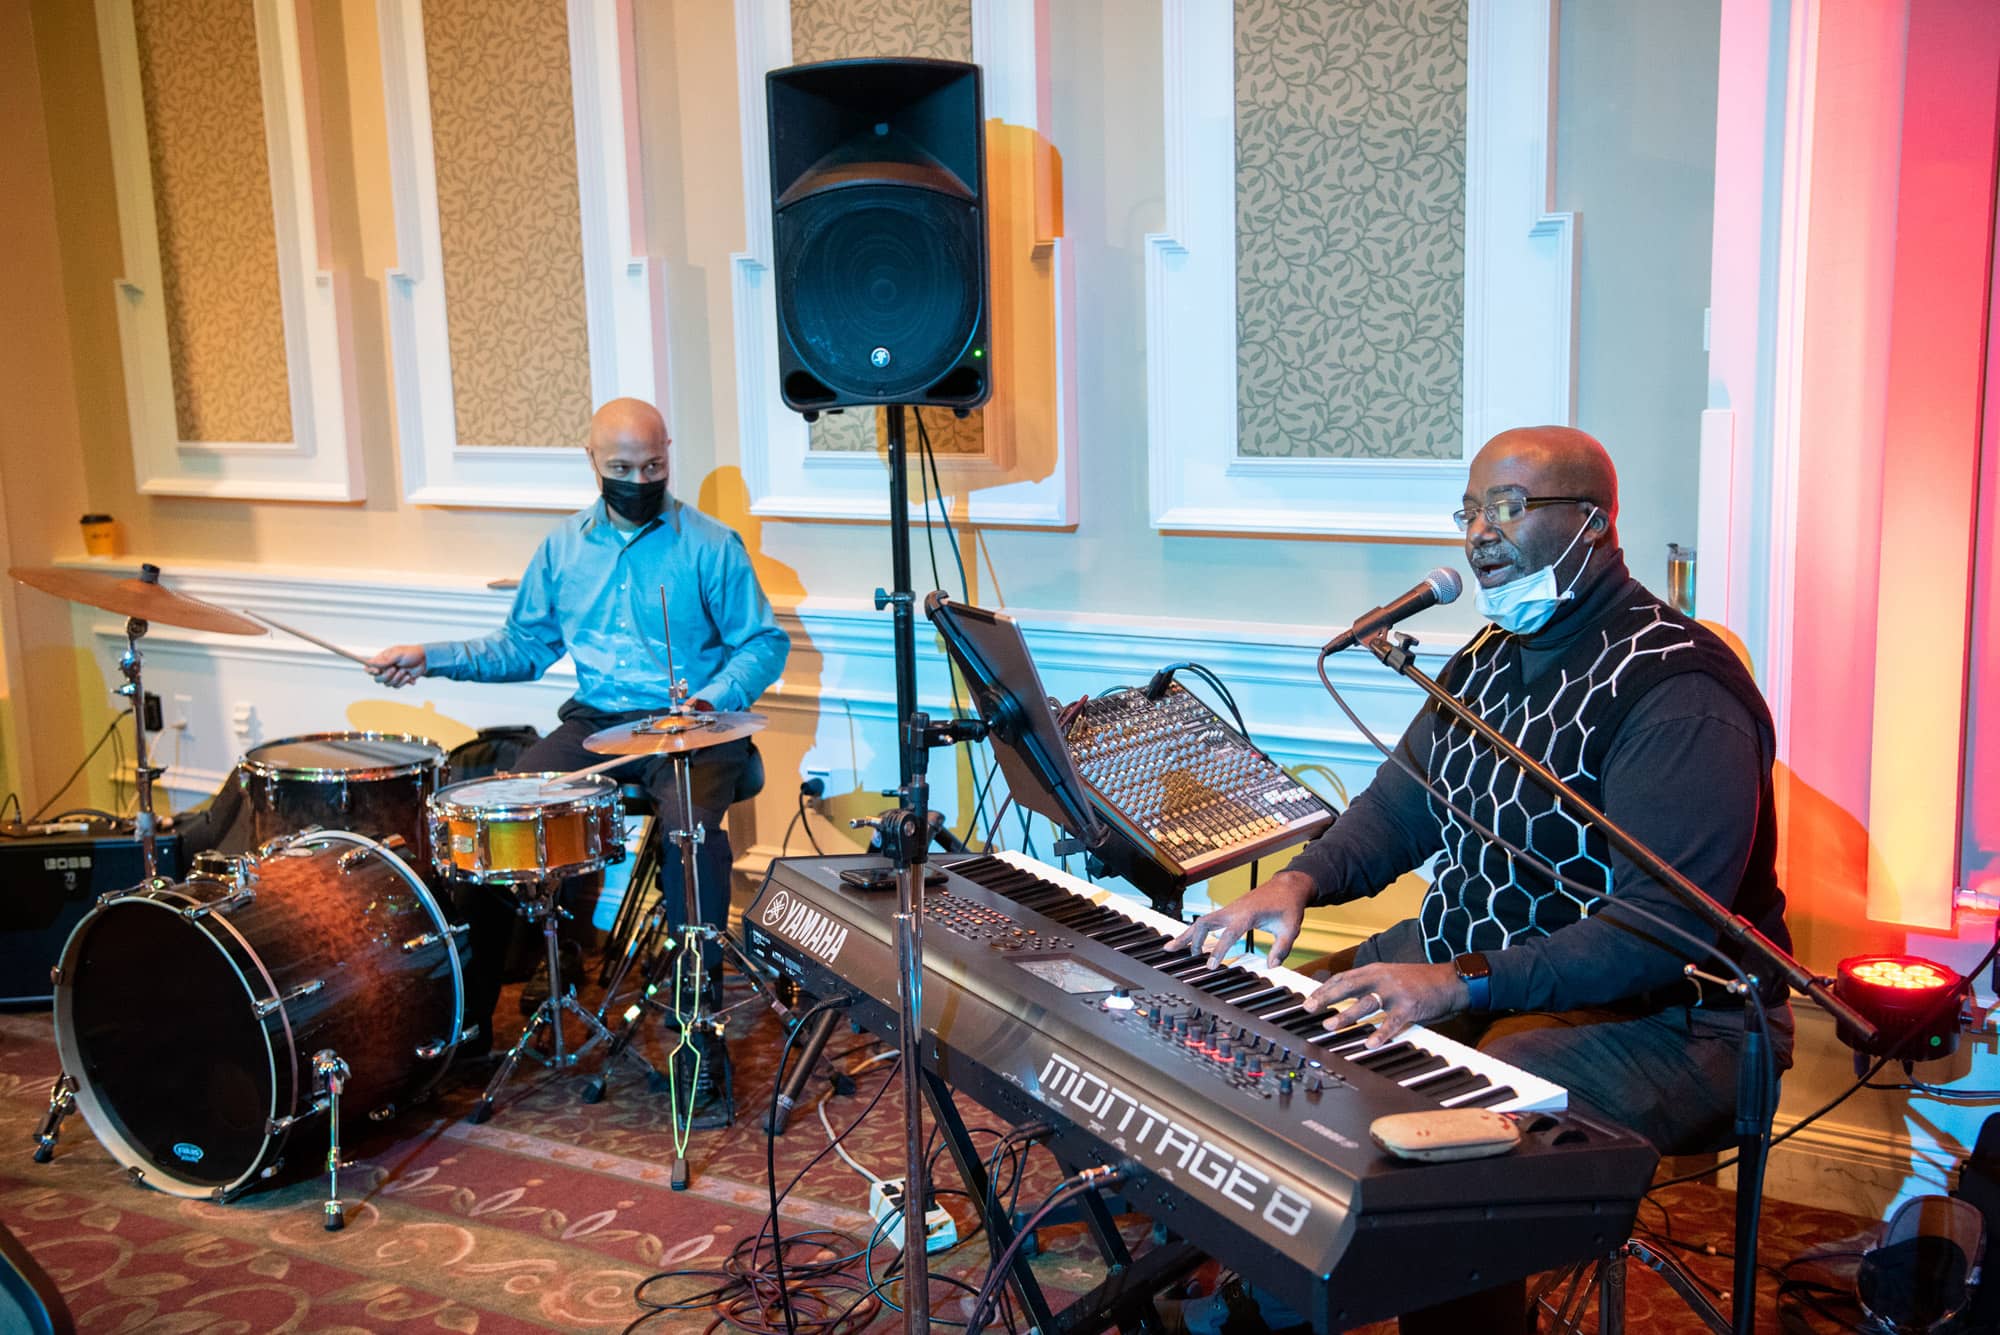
(1525, 605)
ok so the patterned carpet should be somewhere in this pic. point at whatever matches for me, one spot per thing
(547, 1217)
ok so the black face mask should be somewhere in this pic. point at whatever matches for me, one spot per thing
(635, 502)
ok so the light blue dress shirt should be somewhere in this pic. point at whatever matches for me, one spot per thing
(594, 592)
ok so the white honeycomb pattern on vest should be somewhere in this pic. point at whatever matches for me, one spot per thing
(1481, 900)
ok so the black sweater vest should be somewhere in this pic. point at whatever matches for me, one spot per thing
(1483, 898)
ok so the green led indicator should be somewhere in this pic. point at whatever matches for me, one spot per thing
(979, 352)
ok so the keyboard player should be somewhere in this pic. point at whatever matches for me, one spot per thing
(1653, 718)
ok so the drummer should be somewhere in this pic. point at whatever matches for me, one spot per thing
(593, 590)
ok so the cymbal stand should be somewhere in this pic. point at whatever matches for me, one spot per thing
(143, 772)
(62, 1095)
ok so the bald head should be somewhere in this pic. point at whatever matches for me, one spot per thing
(627, 419)
(1550, 461)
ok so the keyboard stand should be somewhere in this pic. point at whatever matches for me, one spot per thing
(1124, 1300)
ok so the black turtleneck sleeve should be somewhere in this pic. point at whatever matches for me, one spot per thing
(1388, 828)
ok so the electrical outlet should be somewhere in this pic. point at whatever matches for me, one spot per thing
(885, 1203)
(182, 713)
(150, 712)
(814, 787)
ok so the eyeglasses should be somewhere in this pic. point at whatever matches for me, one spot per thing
(1505, 507)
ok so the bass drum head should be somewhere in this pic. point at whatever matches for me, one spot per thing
(158, 1027)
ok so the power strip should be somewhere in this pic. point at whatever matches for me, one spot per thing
(885, 1203)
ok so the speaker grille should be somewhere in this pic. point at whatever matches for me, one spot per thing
(879, 288)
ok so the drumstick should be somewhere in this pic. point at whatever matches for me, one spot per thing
(348, 654)
(587, 770)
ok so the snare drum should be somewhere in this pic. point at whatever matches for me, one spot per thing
(373, 782)
(189, 1013)
(513, 828)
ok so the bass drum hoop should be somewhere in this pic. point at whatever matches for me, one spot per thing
(103, 1122)
(323, 774)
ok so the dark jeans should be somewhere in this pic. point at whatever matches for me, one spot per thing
(716, 774)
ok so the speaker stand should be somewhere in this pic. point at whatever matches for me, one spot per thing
(900, 599)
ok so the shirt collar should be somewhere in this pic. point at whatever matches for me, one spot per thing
(597, 517)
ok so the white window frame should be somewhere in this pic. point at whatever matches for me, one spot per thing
(322, 461)
(624, 290)
(1520, 288)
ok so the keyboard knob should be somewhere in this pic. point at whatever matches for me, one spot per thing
(1223, 1049)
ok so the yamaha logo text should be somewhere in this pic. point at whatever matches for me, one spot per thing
(804, 926)
(1136, 1127)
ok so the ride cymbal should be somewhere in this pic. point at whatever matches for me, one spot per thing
(145, 598)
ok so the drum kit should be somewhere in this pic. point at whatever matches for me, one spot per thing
(318, 973)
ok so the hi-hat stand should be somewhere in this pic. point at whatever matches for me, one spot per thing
(676, 974)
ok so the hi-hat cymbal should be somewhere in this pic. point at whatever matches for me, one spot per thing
(145, 598)
(666, 733)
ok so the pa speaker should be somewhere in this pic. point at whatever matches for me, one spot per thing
(878, 211)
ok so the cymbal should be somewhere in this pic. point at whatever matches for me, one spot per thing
(145, 598)
(667, 733)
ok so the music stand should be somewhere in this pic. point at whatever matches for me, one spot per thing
(1008, 696)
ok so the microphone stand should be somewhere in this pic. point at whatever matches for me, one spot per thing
(1753, 1094)
(906, 835)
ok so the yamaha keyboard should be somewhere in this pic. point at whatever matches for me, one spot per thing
(1049, 999)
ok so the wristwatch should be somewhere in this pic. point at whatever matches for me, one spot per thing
(1478, 976)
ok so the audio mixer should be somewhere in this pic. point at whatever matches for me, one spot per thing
(1187, 796)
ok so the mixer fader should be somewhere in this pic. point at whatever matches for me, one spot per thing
(1193, 794)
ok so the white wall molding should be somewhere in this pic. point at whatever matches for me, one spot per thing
(294, 687)
(1520, 288)
(322, 461)
(786, 478)
(624, 298)
(837, 708)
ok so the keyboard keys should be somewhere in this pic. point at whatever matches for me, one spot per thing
(1251, 1003)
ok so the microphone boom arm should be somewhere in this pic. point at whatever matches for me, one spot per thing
(1396, 652)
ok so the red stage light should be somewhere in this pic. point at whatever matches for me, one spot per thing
(1905, 996)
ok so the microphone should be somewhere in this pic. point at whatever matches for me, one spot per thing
(1440, 586)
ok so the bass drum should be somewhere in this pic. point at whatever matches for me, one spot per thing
(189, 1014)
